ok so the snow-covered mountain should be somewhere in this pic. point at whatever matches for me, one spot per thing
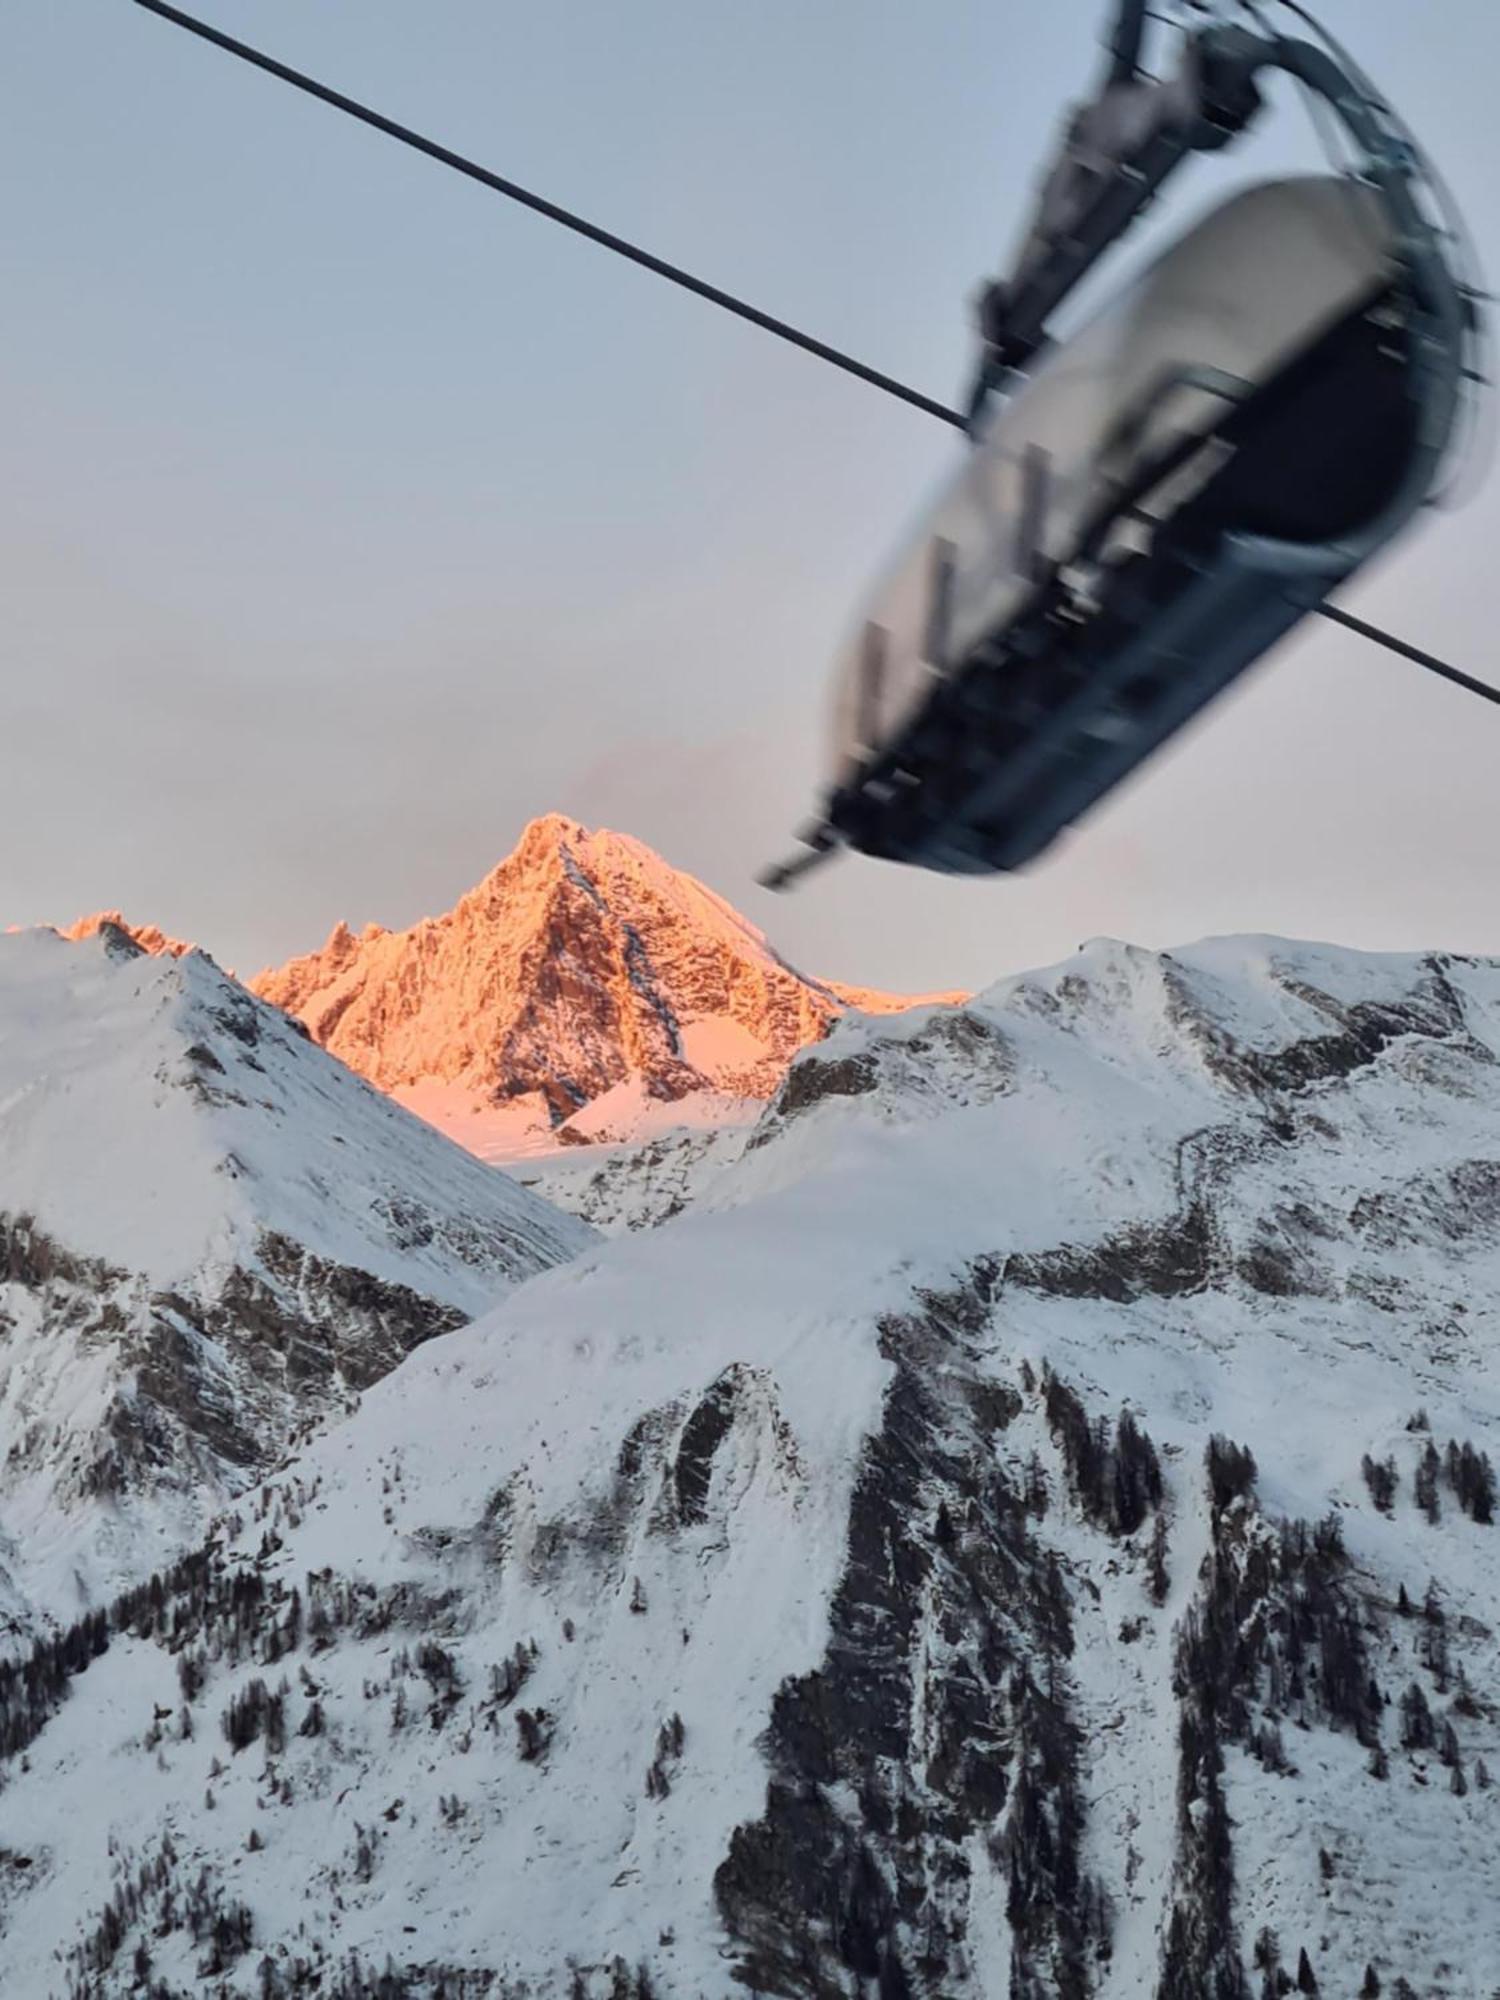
(584, 991)
(1026, 1530)
(212, 1236)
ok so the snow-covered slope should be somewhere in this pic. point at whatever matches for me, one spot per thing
(584, 991)
(211, 1236)
(1027, 1531)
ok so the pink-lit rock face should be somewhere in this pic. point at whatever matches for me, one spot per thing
(150, 937)
(585, 989)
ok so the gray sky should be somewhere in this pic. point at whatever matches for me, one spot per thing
(349, 516)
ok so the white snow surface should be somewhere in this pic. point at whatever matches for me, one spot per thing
(1353, 1278)
(106, 1150)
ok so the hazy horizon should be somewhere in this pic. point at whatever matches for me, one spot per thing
(352, 517)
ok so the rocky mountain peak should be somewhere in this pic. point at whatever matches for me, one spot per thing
(583, 989)
(150, 938)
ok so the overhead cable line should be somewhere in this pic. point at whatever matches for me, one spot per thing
(513, 192)
(1408, 652)
(685, 279)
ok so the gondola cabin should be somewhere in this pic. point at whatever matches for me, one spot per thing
(1159, 500)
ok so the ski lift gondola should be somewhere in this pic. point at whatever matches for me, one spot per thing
(1143, 509)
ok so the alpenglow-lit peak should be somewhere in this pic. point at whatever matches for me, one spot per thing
(584, 989)
(150, 937)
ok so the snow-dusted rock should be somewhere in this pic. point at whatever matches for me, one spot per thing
(638, 1186)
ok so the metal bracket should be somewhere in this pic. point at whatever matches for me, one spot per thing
(1117, 152)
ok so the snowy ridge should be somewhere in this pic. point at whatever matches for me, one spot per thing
(211, 1234)
(585, 991)
(1027, 1529)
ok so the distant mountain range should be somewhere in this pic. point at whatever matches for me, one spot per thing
(1012, 1511)
(584, 992)
(213, 1236)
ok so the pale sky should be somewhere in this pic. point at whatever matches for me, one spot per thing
(350, 516)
